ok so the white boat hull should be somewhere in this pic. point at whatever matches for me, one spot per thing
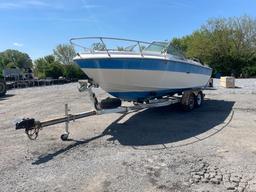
(135, 78)
(125, 83)
(118, 80)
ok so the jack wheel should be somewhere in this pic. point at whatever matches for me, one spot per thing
(64, 137)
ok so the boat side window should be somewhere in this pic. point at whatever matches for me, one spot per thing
(175, 52)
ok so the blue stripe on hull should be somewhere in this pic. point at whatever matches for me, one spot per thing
(142, 64)
(135, 96)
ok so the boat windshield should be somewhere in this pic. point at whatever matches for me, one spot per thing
(156, 46)
(110, 45)
(177, 53)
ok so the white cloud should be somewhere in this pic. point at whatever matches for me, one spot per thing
(36, 3)
(6, 5)
(18, 44)
(21, 4)
(49, 4)
(90, 6)
(177, 4)
(87, 5)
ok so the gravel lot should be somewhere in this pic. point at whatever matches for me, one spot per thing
(212, 148)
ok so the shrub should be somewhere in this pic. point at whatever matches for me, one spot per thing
(249, 71)
(72, 71)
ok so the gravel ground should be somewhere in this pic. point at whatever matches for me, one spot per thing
(212, 148)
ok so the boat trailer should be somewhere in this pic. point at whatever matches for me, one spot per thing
(32, 126)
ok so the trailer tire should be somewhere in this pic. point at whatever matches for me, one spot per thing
(110, 103)
(199, 99)
(189, 103)
(2, 88)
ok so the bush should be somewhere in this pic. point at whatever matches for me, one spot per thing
(72, 71)
(54, 71)
(249, 71)
(48, 67)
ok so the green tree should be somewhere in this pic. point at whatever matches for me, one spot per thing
(227, 45)
(11, 65)
(64, 54)
(48, 66)
(55, 71)
(17, 58)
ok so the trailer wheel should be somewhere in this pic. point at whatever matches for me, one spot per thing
(189, 104)
(2, 88)
(199, 99)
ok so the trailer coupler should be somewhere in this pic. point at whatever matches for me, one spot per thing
(31, 127)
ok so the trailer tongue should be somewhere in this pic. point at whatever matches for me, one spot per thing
(32, 126)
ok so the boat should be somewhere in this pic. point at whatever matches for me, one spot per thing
(149, 74)
(140, 71)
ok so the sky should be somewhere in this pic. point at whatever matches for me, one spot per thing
(38, 26)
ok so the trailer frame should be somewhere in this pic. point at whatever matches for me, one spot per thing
(188, 100)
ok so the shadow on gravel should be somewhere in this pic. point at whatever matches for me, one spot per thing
(45, 158)
(169, 124)
(158, 126)
(6, 97)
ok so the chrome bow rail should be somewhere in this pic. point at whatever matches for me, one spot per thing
(138, 44)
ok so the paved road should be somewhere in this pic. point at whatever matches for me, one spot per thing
(212, 148)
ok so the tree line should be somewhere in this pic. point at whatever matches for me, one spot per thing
(228, 45)
(58, 64)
